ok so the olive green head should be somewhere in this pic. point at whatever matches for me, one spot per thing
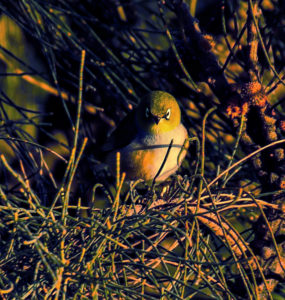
(158, 112)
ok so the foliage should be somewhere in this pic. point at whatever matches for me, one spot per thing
(69, 231)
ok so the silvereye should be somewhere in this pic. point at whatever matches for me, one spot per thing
(145, 136)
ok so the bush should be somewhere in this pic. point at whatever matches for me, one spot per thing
(71, 71)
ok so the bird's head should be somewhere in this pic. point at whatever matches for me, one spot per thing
(158, 112)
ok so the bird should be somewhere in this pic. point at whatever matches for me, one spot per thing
(151, 139)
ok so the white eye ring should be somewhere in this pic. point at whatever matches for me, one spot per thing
(147, 112)
(168, 113)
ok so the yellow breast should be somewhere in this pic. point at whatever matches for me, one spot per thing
(143, 161)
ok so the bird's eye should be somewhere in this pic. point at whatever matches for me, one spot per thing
(167, 115)
(147, 112)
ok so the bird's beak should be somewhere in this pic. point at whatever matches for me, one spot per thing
(156, 119)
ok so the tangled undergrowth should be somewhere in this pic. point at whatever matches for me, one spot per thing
(71, 71)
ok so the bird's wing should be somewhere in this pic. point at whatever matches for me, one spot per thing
(123, 135)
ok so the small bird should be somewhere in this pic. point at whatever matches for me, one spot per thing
(149, 138)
